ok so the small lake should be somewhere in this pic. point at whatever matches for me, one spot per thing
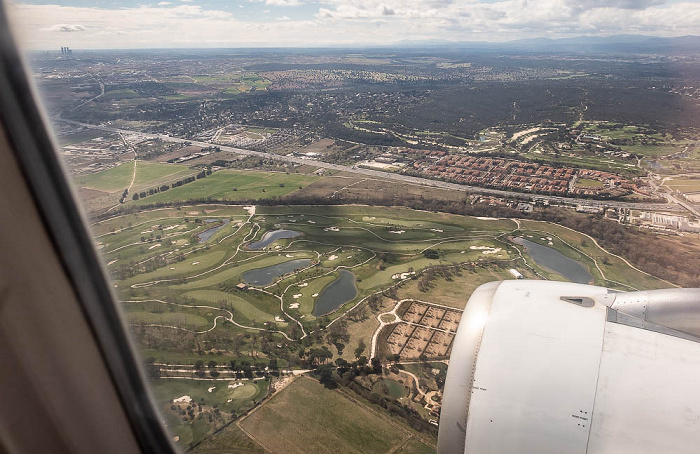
(205, 235)
(265, 276)
(555, 261)
(272, 236)
(335, 294)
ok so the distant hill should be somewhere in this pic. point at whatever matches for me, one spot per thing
(581, 44)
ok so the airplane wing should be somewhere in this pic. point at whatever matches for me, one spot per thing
(553, 367)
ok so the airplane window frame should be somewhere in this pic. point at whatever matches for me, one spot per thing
(26, 125)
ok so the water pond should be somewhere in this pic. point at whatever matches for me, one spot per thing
(272, 236)
(555, 261)
(335, 294)
(208, 233)
(267, 275)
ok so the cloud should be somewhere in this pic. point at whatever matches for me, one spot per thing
(283, 18)
(351, 22)
(278, 2)
(164, 3)
(65, 28)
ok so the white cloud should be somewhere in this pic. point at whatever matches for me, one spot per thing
(348, 22)
(164, 3)
(283, 2)
(69, 28)
(279, 2)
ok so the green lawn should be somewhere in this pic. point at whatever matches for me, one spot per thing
(171, 319)
(588, 183)
(233, 185)
(239, 304)
(148, 175)
(110, 180)
(152, 174)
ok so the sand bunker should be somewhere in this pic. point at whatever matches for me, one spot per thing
(183, 399)
(332, 257)
(211, 389)
(298, 295)
(403, 275)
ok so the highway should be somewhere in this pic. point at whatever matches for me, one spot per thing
(389, 176)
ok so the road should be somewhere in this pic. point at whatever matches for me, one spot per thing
(386, 175)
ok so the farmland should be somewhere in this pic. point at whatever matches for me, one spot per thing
(340, 424)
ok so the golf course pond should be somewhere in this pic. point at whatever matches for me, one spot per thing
(208, 233)
(272, 236)
(267, 275)
(555, 261)
(335, 294)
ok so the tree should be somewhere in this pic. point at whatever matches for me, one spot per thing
(360, 348)
(325, 374)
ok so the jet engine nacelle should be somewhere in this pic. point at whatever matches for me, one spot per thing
(551, 367)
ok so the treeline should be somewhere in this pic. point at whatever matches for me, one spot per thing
(344, 373)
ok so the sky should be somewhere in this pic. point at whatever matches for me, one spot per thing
(84, 24)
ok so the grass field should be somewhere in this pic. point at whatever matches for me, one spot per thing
(684, 184)
(231, 439)
(232, 185)
(148, 175)
(308, 418)
(588, 183)
(110, 180)
(456, 292)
